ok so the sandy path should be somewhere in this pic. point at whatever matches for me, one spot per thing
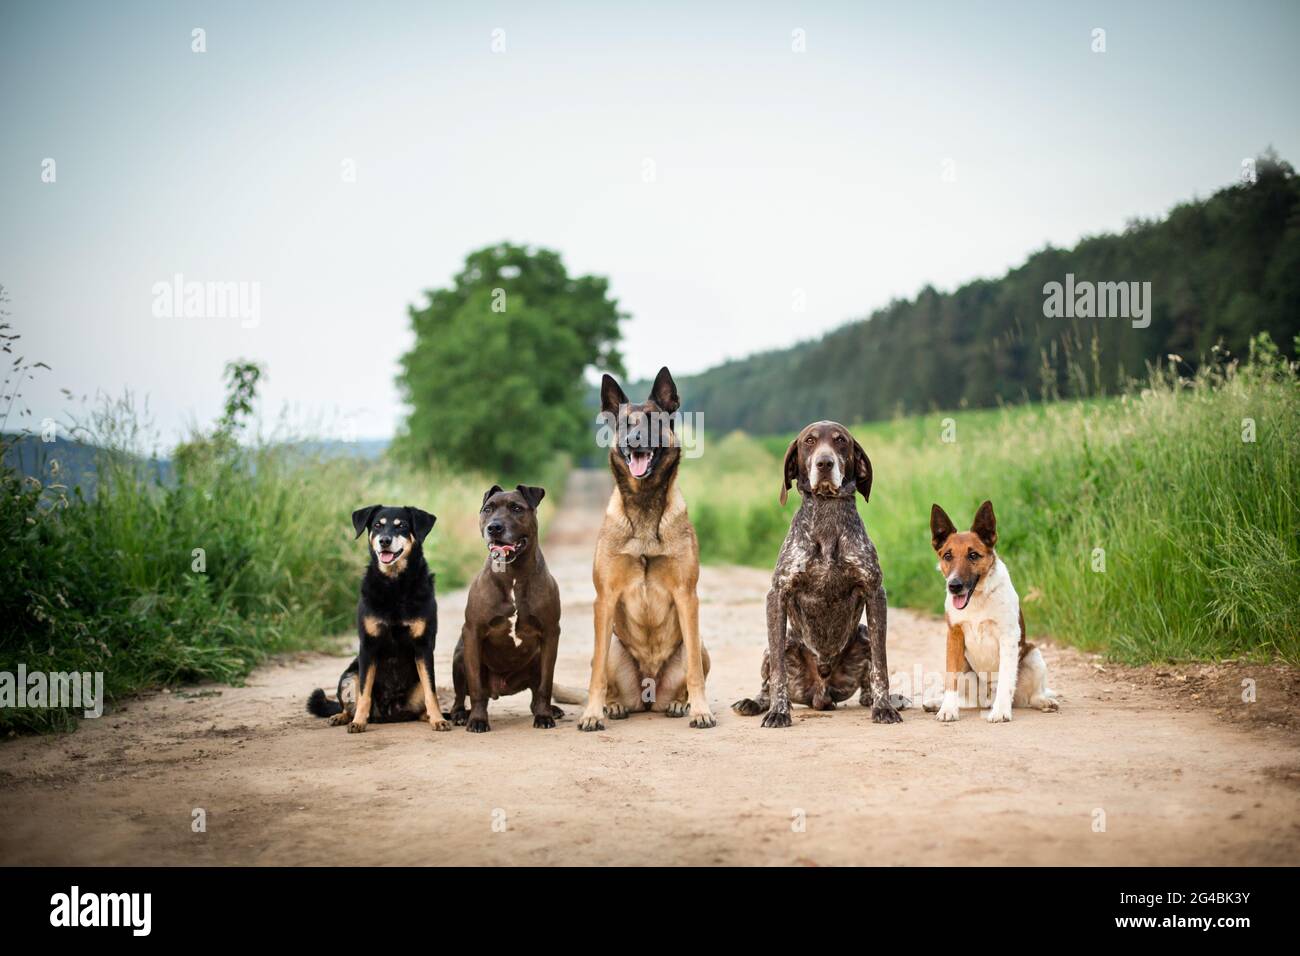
(279, 787)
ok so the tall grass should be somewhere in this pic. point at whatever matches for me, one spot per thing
(248, 551)
(1148, 527)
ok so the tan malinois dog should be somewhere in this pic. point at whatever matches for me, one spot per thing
(648, 652)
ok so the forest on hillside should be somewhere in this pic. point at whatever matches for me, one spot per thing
(1220, 270)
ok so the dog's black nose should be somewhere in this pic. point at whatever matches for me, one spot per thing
(956, 587)
(825, 463)
(385, 540)
(496, 527)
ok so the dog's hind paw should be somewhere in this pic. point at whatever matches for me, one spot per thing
(1050, 705)
(339, 719)
(777, 718)
(703, 720)
(459, 716)
(543, 722)
(677, 708)
(616, 712)
(591, 723)
(884, 713)
(748, 707)
(557, 713)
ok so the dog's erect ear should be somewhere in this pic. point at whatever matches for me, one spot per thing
(790, 469)
(361, 518)
(495, 489)
(532, 495)
(421, 523)
(664, 391)
(611, 395)
(862, 471)
(941, 527)
(985, 524)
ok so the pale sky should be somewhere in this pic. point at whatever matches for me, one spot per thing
(775, 171)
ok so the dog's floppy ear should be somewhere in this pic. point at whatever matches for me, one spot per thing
(531, 495)
(611, 395)
(421, 523)
(361, 518)
(941, 527)
(790, 469)
(664, 391)
(862, 470)
(495, 489)
(985, 524)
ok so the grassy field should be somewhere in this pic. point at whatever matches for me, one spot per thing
(114, 583)
(1147, 527)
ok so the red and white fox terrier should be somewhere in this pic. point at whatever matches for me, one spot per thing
(986, 628)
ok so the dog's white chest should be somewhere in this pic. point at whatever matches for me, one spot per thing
(983, 645)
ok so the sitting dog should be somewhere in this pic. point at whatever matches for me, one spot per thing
(826, 575)
(391, 678)
(986, 628)
(513, 587)
(648, 652)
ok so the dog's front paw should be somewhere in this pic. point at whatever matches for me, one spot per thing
(949, 711)
(478, 725)
(884, 713)
(748, 707)
(591, 721)
(357, 727)
(543, 722)
(556, 712)
(458, 716)
(999, 714)
(703, 719)
(616, 711)
(440, 724)
(777, 718)
(677, 708)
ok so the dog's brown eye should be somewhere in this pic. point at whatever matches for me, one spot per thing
(839, 439)
(948, 556)
(809, 440)
(974, 556)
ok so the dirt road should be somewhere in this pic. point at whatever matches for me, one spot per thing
(1175, 785)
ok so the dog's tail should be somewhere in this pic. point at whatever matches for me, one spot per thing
(322, 706)
(567, 695)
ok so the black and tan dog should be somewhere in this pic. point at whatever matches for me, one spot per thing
(391, 678)
(827, 574)
(648, 653)
(493, 658)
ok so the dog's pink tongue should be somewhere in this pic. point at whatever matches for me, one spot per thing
(387, 557)
(640, 463)
(960, 601)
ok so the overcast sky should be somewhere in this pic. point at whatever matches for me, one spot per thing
(774, 173)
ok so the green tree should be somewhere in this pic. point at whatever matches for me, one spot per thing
(495, 378)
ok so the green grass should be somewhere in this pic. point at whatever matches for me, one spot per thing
(1200, 529)
(109, 583)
